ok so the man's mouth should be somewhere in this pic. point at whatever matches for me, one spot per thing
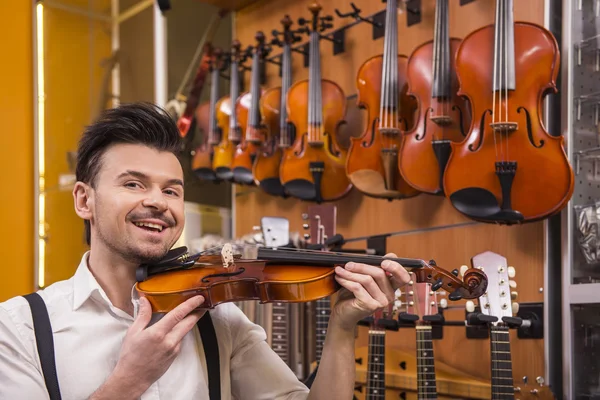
(149, 226)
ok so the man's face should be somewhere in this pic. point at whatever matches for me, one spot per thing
(138, 207)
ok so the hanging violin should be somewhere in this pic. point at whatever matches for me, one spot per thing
(227, 119)
(372, 163)
(206, 118)
(274, 112)
(443, 116)
(248, 113)
(509, 169)
(277, 275)
(313, 169)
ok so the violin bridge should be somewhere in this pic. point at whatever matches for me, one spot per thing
(227, 255)
(504, 127)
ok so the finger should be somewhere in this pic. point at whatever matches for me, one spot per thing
(398, 273)
(143, 317)
(365, 280)
(177, 314)
(359, 292)
(378, 274)
(183, 327)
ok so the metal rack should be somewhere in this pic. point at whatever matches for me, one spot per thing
(581, 220)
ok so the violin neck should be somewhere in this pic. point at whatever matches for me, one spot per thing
(376, 365)
(441, 87)
(504, 47)
(329, 258)
(286, 83)
(315, 101)
(323, 310)
(425, 363)
(254, 113)
(389, 74)
(214, 96)
(234, 93)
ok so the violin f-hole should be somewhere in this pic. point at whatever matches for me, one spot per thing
(419, 137)
(297, 153)
(366, 144)
(481, 131)
(460, 119)
(529, 128)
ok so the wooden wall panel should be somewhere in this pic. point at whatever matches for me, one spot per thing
(359, 215)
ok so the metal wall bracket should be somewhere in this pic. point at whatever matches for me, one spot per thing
(413, 12)
(463, 2)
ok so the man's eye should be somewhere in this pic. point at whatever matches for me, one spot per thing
(171, 192)
(133, 184)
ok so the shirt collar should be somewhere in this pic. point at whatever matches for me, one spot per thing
(85, 286)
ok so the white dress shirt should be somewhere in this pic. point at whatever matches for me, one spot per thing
(88, 332)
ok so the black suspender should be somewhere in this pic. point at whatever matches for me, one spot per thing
(45, 343)
(45, 346)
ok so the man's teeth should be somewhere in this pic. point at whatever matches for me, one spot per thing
(150, 225)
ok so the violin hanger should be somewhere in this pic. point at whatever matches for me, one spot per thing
(413, 12)
(376, 20)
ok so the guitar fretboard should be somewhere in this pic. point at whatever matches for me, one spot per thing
(502, 377)
(426, 385)
(376, 365)
(280, 331)
(323, 310)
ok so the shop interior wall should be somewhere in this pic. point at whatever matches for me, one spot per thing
(16, 154)
(359, 215)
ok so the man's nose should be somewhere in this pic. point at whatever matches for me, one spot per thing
(156, 199)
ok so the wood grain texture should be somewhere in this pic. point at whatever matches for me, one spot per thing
(359, 215)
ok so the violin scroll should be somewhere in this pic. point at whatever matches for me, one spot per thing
(472, 286)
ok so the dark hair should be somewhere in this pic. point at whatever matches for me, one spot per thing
(135, 123)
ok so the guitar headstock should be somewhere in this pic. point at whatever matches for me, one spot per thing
(497, 300)
(533, 391)
(276, 231)
(421, 300)
(320, 222)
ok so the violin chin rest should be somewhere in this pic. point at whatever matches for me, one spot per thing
(206, 174)
(273, 187)
(481, 204)
(224, 173)
(301, 189)
(243, 176)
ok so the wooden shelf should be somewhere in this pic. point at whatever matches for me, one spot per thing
(231, 5)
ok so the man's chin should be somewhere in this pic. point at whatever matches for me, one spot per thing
(148, 255)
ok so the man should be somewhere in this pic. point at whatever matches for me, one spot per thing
(129, 192)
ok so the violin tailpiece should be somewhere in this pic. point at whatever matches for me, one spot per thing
(442, 150)
(389, 160)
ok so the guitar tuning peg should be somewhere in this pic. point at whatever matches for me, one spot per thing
(256, 228)
(540, 380)
(511, 272)
(304, 216)
(470, 306)
(443, 303)
(463, 269)
(513, 296)
(512, 284)
(306, 236)
(515, 308)
(305, 226)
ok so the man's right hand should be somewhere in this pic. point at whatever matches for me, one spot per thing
(147, 352)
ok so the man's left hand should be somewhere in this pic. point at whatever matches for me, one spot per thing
(367, 288)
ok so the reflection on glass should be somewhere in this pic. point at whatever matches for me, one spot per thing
(586, 348)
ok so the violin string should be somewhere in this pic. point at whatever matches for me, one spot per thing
(502, 78)
(394, 66)
(507, 12)
(392, 88)
(310, 88)
(445, 73)
(383, 69)
(386, 69)
(495, 83)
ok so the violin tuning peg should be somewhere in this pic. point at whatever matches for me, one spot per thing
(443, 303)
(437, 285)
(511, 272)
(455, 272)
(463, 269)
(470, 306)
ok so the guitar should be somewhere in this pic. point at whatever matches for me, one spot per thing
(321, 224)
(422, 302)
(497, 303)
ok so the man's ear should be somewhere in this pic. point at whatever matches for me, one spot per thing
(84, 200)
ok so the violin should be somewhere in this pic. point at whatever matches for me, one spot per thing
(206, 118)
(248, 112)
(274, 112)
(443, 116)
(372, 163)
(227, 120)
(517, 172)
(313, 169)
(276, 275)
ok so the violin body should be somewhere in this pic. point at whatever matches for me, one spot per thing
(325, 159)
(246, 151)
(223, 152)
(543, 178)
(203, 154)
(418, 163)
(372, 162)
(268, 159)
(261, 281)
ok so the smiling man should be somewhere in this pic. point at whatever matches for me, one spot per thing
(99, 339)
